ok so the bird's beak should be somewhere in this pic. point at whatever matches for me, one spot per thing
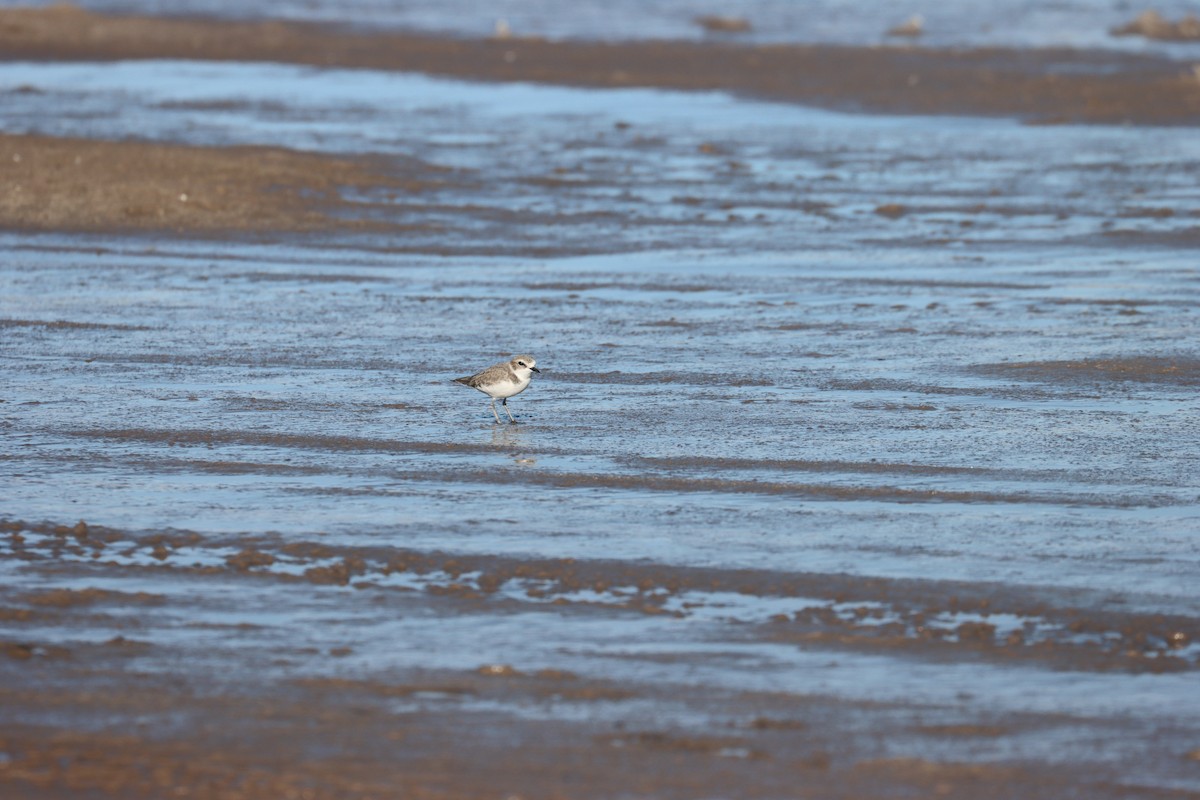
(535, 369)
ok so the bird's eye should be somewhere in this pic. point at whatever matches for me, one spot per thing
(522, 363)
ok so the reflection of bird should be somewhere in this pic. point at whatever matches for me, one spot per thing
(502, 381)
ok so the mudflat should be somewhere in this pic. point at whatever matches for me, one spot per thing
(862, 462)
(1040, 85)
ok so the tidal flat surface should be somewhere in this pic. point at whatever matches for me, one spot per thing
(865, 455)
(973, 23)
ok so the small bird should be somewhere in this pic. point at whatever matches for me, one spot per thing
(502, 381)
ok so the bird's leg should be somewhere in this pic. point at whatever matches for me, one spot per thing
(504, 403)
(494, 414)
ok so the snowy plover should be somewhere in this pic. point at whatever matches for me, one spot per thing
(502, 381)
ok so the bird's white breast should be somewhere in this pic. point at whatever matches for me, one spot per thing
(506, 387)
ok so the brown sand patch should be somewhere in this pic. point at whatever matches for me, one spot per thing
(66, 598)
(62, 324)
(1178, 370)
(986, 731)
(249, 558)
(15, 614)
(78, 184)
(28, 651)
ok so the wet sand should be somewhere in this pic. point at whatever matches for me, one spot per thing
(863, 463)
(300, 717)
(86, 185)
(1039, 86)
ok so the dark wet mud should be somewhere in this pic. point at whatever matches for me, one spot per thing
(863, 462)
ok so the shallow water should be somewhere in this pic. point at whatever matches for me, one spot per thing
(973, 426)
(724, 437)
